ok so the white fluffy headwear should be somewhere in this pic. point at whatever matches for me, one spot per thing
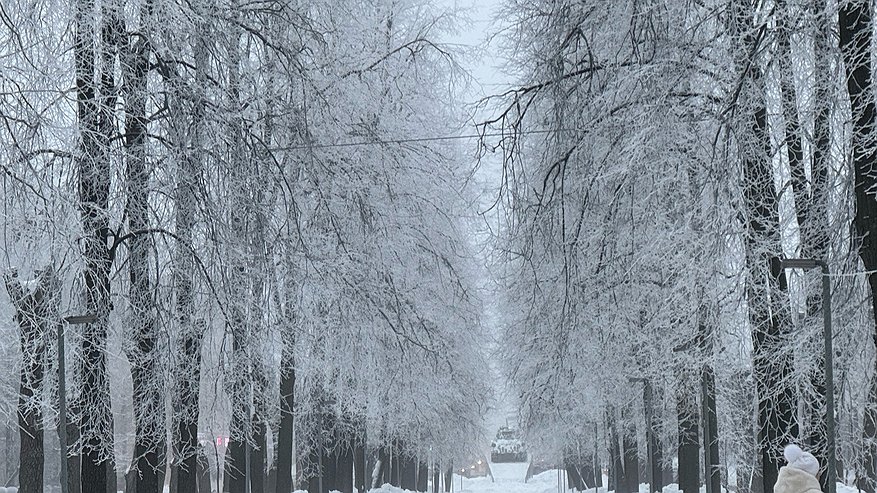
(799, 459)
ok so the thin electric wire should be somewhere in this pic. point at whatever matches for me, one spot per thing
(416, 139)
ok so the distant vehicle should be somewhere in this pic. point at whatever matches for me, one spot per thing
(476, 468)
(508, 446)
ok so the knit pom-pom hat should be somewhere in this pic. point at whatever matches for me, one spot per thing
(799, 459)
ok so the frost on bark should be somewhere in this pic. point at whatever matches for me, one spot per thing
(190, 139)
(688, 451)
(148, 401)
(631, 456)
(95, 118)
(36, 312)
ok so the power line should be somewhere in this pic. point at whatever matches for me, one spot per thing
(414, 140)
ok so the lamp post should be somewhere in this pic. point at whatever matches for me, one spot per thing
(62, 392)
(808, 264)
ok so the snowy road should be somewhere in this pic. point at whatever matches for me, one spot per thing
(508, 478)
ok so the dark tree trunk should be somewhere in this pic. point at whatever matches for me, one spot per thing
(344, 470)
(359, 463)
(768, 312)
(436, 479)
(408, 472)
(855, 19)
(258, 457)
(32, 456)
(316, 470)
(36, 314)
(572, 476)
(331, 471)
(239, 385)
(631, 457)
(711, 439)
(653, 444)
(235, 465)
(74, 461)
(689, 432)
(422, 477)
(186, 403)
(95, 115)
(767, 298)
(811, 199)
(202, 471)
(395, 469)
(772, 364)
(184, 422)
(284, 437)
(147, 398)
(383, 467)
(449, 478)
(586, 474)
(616, 466)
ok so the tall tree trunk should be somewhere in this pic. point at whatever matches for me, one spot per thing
(344, 469)
(616, 462)
(95, 115)
(422, 477)
(285, 436)
(810, 197)
(189, 138)
(74, 461)
(689, 448)
(148, 402)
(572, 475)
(712, 472)
(36, 313)
(631, 457)
(258, 457)
(359, 461)
(408, 480)
(855, 19)
(436, 479)
(258, 380)
(768, 313)
(395, 469)
(238, 378)
(382, 468)
(766, 288)
(330, 470)
(653, 442)
(814, 223)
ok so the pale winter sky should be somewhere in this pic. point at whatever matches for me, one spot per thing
(485, 66)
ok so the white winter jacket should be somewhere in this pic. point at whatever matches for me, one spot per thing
(793, 480)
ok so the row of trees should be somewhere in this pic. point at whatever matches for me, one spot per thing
(215, 182)
(661, 157)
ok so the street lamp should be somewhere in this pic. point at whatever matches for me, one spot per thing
(808, 264)
(62, 392)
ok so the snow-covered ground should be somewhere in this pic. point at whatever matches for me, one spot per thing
(509, 478)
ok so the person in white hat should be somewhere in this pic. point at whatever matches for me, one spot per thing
(801, 475)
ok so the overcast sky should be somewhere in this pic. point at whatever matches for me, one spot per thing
(484, 65)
